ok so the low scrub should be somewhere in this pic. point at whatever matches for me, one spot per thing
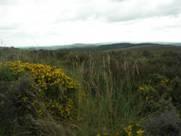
(35, 99)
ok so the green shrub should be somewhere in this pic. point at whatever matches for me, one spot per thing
(166, 123)
(24, 112)
(6, 74)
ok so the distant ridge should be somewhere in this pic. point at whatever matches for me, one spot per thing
(101, 46)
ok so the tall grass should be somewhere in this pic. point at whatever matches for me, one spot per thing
(110, 98)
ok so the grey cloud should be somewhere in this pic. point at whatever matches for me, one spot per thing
(6, 28)
(117, 0)
(116, 15)
(9, 27)
(7, 2)
(118, 12)
(137, 15)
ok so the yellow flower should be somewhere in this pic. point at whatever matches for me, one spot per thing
(140, 132)
(128, 130)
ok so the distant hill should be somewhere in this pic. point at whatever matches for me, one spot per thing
(104, 46)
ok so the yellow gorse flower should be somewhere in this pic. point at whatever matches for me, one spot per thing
(134, 130)
(128, 130)
(44, 75)
(140, 132)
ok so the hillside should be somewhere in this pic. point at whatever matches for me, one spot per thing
(107, 90)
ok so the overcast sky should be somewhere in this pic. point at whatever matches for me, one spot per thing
(57, 22)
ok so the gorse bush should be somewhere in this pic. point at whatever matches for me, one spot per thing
(21, 106)
(18, 107)
(44, 75)
(55, 87)
(32, 94)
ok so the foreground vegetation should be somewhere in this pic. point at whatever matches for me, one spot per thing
(127, 92)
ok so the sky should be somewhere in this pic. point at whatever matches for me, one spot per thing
(61, 22)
